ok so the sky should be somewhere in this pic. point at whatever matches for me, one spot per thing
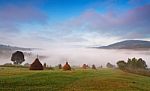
(57, 23)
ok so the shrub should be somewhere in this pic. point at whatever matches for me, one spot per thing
(109, 65)
(121, 64)
(59, 66)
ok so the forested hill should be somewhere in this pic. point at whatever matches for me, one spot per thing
(128, 44)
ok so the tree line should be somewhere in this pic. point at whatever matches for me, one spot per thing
(134, 65)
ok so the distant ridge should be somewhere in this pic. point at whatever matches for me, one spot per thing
(128, 44)
(6, 50)
(7, 47)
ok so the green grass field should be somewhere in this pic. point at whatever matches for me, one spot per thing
(22, 79)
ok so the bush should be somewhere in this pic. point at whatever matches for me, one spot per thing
(109, 65)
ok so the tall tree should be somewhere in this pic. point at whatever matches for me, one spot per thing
(141, 63)
(121, 64)
(17, 57)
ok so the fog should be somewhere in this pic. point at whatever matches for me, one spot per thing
(78, 56)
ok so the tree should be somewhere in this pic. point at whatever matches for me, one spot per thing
(129, 63)
(17, 57)
(59, 66)
(132, 64)
(27, 65)
(109, 65)
(121, 64)
(141, 63)
(44, 65)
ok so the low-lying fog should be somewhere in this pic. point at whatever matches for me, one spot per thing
(79, 56)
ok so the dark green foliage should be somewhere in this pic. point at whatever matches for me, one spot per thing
(27, 65)
(17, 57)
(136, 63)
(141, 63)
(44, 65)
(109, 65)
(8, 64)
(137, 66)
(132, 64)
(59, 66)
(121, 64)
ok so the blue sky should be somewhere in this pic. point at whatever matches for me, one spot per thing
(73, 22)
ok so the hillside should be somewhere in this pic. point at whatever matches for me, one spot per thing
(22, 79)
(6, 50)
(129, 44)
(7, 47)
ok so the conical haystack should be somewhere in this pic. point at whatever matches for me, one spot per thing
(85, 66)
(66, 67)
(93, 66)
(36, 65)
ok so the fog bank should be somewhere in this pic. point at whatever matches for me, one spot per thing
(79, 56)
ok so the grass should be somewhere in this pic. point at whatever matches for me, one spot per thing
(22, 79)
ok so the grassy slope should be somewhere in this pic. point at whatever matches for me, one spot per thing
(21, 79)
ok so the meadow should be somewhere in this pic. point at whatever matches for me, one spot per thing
(104, 79)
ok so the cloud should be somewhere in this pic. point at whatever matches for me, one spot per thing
(21, 14)
(11, 16)
(91, 27)
(132, 24)
(95, 28)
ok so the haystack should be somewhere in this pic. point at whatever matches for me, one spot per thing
(66, 67)
(84, 66)
(36, 65)
(93, 66)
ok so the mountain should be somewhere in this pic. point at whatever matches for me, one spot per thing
(6, 53)
(7, 47)
(129, 44)
(6, 50)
